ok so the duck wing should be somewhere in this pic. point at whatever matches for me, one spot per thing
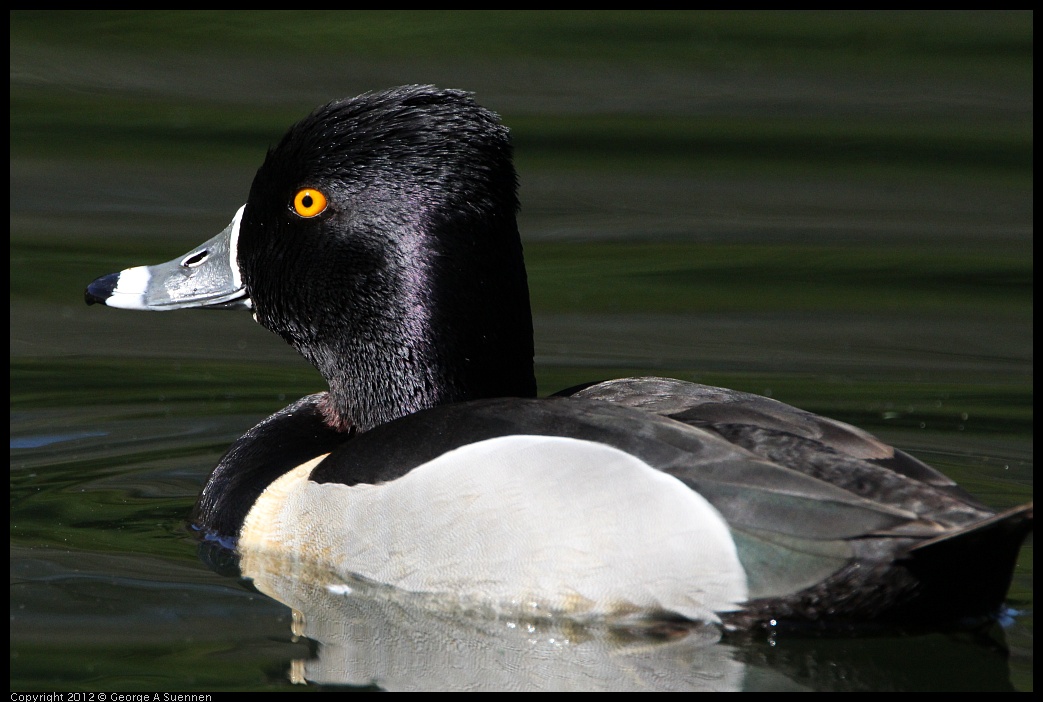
(825, 448)
(901, 573)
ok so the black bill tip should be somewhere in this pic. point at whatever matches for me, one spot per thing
(101, 289)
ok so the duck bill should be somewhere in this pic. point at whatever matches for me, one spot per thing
(206, 277)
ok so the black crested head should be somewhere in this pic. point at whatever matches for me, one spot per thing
(408, 289)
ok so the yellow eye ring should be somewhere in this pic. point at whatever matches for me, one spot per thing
(309, 202)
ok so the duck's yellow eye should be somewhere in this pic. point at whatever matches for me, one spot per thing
(309, 202)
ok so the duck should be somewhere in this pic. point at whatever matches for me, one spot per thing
(380, 240)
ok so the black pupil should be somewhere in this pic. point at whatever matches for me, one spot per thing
(307, 201)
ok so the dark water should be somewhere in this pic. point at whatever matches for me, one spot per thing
(832, 209)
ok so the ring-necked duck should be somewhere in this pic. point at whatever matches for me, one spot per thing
(380, 240)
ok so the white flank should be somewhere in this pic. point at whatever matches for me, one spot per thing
(530, 523)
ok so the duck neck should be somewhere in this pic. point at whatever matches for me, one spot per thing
(453, 324)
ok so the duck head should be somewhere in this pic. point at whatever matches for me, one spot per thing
(380, 240)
